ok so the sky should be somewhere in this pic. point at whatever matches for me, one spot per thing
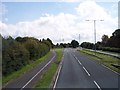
(59, 21)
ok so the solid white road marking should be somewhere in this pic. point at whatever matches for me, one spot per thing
(110, 69)
(57, 78)
(97, 85)
(37, 73)
(58, 74)
(86, 71)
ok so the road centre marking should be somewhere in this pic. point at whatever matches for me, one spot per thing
(97, 85)
(86, 71)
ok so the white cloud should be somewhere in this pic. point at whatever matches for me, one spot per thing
(90, 10)
(67, 26)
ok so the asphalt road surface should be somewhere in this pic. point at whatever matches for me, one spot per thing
(78, 71)
(28, 79)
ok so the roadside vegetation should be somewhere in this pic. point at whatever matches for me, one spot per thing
(48, 76)
(109, 44)
(21, 54)
(24, 69)
(109, 61)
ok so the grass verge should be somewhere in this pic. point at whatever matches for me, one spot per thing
(47, 77)
(105, 59)
(26, 68)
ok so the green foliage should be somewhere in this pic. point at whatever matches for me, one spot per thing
(74, 43)
(116, 33)
(24, 69)
(117, 50)
(22, 50)
(32, 46)
(47, 77)
(104, 40)
(14, 57)
(105, 59)
(87, 45)
(113, 41)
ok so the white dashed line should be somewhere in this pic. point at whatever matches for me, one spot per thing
(76, 58)
(86, 71)
(97, 85)
(79, 62)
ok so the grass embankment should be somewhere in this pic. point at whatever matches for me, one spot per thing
(109, 52)
(26, 68)
(47, 78)
(104, 59)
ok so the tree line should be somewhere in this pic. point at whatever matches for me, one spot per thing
(73, 44)
(20, 51)
(107, 44)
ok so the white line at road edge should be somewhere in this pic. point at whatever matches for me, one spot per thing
(110, 69)
(38, 73)
(97, 85)
(57, 78)
(58, 74)
(86, 71)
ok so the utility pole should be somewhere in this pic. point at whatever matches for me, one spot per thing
(79, 40)
(95, 32)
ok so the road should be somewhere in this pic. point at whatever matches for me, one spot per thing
(78, 71)
(28, 79)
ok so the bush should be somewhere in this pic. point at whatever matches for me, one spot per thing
(20, 51)
(117, 50)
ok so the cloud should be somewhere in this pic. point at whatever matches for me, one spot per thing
(65, 26)
(90, 10)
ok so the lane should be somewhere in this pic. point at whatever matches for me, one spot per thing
(104, 77)
(28, 79)
(72, 74)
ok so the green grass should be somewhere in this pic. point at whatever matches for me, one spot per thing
(47, 77)
(105, 59)
(108, 52)
(59, 54)
(26, 68)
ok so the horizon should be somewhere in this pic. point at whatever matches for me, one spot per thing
(58, 20)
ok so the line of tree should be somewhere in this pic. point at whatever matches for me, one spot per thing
(107, 44)
(21, 51)
(113, 41)
(73, 44)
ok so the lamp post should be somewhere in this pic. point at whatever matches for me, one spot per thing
(79, 40)
(95, 32)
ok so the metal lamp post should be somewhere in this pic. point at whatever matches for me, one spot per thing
(95, 32)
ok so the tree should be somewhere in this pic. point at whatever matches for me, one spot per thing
(116, 33)
(14, 57)
(18, 52)
(114, 40)
(87, 45)
(32, 46)
(104, 40)
(74, 43)
(50, 42)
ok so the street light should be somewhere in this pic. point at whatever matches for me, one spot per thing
(95, 32)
